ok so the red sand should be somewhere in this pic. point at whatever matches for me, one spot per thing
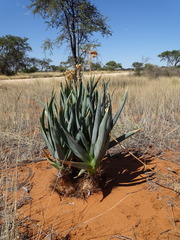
(136, 208)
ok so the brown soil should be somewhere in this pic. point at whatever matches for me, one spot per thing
(134, 203)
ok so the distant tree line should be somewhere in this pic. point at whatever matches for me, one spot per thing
(95, 66)
(14, 59)
(172, 69)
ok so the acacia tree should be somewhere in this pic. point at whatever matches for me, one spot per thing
(75, 20)
(172, 57)
(35, 64)
(138, 66)
(12, 54)
(112, 66)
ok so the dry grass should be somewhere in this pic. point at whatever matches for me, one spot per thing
(32, 75)
(55, 74)
(153, 106)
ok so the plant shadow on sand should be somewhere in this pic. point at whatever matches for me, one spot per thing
(121, 170)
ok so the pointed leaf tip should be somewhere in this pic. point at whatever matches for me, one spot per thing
(120, 109)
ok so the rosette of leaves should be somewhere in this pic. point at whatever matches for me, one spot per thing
(76, 126)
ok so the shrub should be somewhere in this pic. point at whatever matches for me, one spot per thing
(30, 70)
(151, 70)
(138, 66)
(77, 127)
(154, 71)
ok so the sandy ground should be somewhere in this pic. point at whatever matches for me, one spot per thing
(134, 207)
(31, 80)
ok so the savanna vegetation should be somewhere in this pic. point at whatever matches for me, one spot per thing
(78, 119)
(152, 106)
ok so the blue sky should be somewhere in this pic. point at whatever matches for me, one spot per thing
(141, 29)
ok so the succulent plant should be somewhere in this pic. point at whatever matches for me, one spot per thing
(76, 127)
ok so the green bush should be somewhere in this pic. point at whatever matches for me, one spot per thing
(76, 126)
(30, 70)
(154, 71)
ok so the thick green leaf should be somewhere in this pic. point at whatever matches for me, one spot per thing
(94, 85)
(102, 135)
(76, 148)
(84, 105)
(56, 134)
(122, 138)
(80, 165)
(45, 135)
(103, 151)
(54, 164)
(119, 110)
(71, 120)
(84, 141)
(80, 130)
(96, 125)
(109, 120)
